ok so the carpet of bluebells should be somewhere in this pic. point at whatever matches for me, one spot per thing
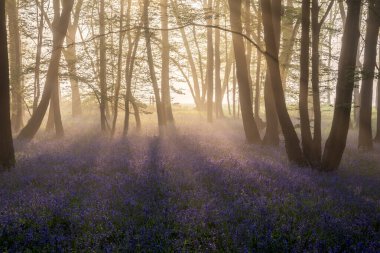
(197, 189)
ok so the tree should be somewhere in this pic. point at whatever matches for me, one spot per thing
(218, 80)
(152, 71)
(292, 145)
(165, 79)
(71, 58)
(210, 60)
(306, 135)
(316, 31)
(250, 128)
(377, 137)
(336, 141)
(102, 67)
(7, 157)
(15, 60)
(272, 134)
(60, 25)
(371, 39)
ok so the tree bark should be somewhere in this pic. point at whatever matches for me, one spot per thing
(218, 64)
(306, 135)
(371, 39)
(336, 141)
(292, 145)
(272, 134)
(250, 128)
(377, 138)
(210, 60)
(15, 60)
(102, 67)
(165, 78)
(60, 26)
(160, 113)
(7, 157)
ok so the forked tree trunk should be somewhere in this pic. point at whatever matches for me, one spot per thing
(198, 101)
(292, 144)
(250, 128)
(59, 32)
(336, 141)
(7, 157)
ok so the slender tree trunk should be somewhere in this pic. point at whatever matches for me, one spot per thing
(234, 83)
(15, 60)
(190, 58)
(7, 157)
(102, 67)
(160, 113)
(250, 128)
(59, 32)
(316, 31)
(359, 67)
(365, 122)
(289, 35)
(272, 134)
(165, 78)
(258, 72)
(119, 68)
(377, 138)
(210, 60)
(307, 138)
(131, 57)
(37, 88)
(218, 64)
(336, 141)
(248, 31)
(292, 145)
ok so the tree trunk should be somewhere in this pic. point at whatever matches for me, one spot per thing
(250, 128)
(160, 113)
(234, 83)
(377, 138)
(60, 26)
(7, 157)
(307, 138)
(130, 64)
(190, 58)
(365, 122)
(37, 88)
(258, 73)
(210, 60)
(336, 141)
(102, 67)
(316, 31)
(272, 134)
(218, 64)
(165, 78)
(119, 67)
(15, 60)
(292, 145)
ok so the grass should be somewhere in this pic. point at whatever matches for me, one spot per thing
(200, 189)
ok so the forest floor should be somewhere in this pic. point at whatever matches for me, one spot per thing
(198, 189)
